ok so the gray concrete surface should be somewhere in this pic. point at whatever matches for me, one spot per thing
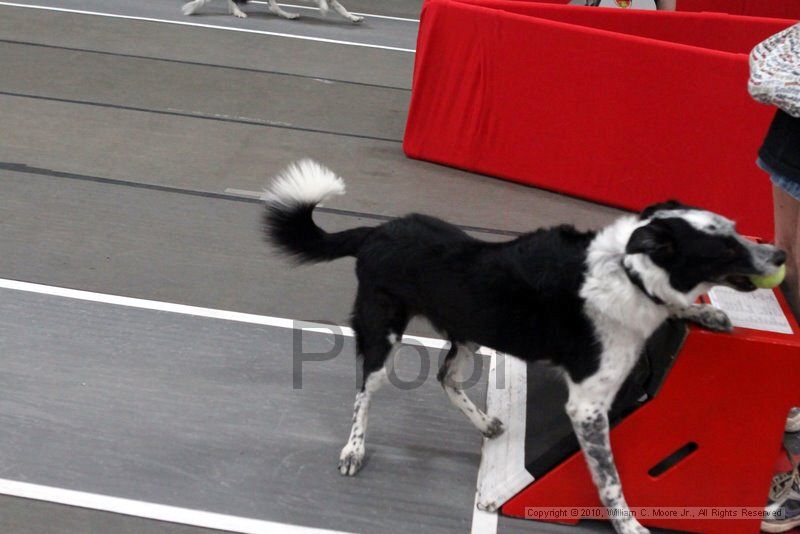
(206, 46)
(121, 140)
(213, 415)
(39, 517)
(372, 31)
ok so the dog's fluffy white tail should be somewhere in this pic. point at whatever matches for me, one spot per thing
(288, 220)
(305, 182)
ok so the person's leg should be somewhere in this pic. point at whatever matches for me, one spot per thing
(666, 5)
(787, 237)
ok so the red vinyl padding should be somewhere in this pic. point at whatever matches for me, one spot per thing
(625, 115)
(789, 9)
(715, 31)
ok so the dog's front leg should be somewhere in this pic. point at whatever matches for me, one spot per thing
(587, 407)
(704, 315)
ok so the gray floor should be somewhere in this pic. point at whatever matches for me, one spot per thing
(372, 31)
(208, 421)
(127, 152)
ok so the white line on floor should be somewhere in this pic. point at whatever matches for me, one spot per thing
(159, 512)
(368, 15)
(484, 522)
(210, 313)
(244, 192)
(211, 26)
(502, 472)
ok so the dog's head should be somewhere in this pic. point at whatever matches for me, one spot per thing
(698, 248)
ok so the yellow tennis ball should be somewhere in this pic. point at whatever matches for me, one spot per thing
(768, 282)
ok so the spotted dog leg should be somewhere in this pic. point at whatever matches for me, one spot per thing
(706, 316)
(352, 456)
(451, 377)
(587, 407)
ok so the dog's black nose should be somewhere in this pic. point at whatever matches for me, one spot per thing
(778, 258)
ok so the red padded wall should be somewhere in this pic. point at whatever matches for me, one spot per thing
(613, 117)
(715, 31)
(789, 9)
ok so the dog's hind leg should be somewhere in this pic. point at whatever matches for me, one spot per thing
(234, 10)
(340, 9)
(587, 407)
(275, 9)
(451, 377)
(379, 324)
(352, 456)
(190, 8)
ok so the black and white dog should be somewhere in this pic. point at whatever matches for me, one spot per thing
(190, 8)
(585, 301)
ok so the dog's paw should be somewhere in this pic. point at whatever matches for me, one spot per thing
(355, 19)
(351, 460)
(240, 14)
(713, 319)
(494, 428)
(486, 506)
(351, 464)
(291, 16)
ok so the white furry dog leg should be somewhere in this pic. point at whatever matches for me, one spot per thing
(324, 7)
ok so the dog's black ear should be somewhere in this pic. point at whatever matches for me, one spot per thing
(649, 211)
(654, 239)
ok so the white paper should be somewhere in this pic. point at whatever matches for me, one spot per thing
(758, 309)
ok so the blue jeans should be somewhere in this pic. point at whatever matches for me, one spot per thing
(791, 187)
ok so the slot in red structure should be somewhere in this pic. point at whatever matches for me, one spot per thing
(617, 106)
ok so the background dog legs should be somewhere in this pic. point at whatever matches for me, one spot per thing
(190, 8)
(275, 9)
(451, 377)
(235, 11)
(340, 9)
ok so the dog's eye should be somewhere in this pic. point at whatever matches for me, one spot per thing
(711, 228)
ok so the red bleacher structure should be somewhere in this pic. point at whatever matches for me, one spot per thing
(617, 106)
(628, 108)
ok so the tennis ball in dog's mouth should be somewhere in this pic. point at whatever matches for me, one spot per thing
(768, 282)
